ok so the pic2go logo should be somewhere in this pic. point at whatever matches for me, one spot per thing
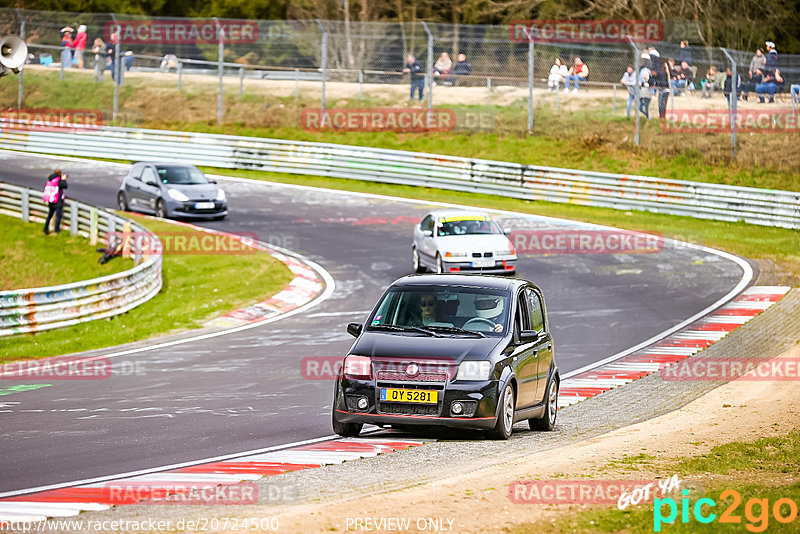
(756, 511)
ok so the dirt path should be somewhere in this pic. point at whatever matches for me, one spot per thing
(478, 502)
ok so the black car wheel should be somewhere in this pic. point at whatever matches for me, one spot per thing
(122, 202)
(161, 209)
(418, 268)
(505, 419)
(346, 430)
(548, 421)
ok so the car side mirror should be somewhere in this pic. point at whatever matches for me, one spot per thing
(507, 231)
(212, 181)
(354, 329)
(427, 233)
(529, 336)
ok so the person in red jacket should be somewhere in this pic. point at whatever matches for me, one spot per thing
(54, 193)
(79, 44)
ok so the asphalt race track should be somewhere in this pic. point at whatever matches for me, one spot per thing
(244, 391)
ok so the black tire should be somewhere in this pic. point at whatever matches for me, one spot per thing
(439, 264)
(346, 430)
(122, 202)
(418, 267)
(505, 418)
(161, 209)
(548, 421)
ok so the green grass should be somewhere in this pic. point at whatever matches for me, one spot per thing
(734, 466)
(777, 245)
(195, 288)
(30, 259)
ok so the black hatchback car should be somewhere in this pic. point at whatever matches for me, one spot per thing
(170, 190)
(460, 351)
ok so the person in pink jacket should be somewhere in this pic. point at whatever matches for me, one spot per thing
(79, 44)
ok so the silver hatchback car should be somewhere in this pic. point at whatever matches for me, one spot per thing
(171, 190)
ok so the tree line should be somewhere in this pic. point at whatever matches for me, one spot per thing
(738, 24)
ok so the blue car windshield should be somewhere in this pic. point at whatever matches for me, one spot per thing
(443, 308)
(180, 175)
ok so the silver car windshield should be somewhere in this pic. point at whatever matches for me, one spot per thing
(466, 226)
(180, 175)
(443, 309)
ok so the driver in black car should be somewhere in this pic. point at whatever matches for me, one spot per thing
(426, 313)
(491, 309)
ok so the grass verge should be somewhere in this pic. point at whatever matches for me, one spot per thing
(741, 466)
(777, 249)
(30, 259)
(195, 288)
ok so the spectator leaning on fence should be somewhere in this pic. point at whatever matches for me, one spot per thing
(417, 73)
(461, 68)
(712, 81)
(79, 44)
(442, 65)
(66, 47)
(558, 72)
(758, 62)
(629, 81)
(578, 72)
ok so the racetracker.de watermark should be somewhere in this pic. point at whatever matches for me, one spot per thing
(725, 369)
(720, 120)
(189, 242)
(182, 31)
(585, 31)
(50, 119)
(619, 492)
(396, 120)
(70, 368)
(582, 241)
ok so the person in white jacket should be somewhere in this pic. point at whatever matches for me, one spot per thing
(558, 72)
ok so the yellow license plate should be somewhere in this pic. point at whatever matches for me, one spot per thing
(419, 396)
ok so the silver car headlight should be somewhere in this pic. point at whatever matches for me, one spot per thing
(472, 370)
(174, 194)
(455, 254)
(505, 252)
(220, 194)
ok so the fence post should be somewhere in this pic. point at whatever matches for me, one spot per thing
(324, 65)
(25, 205)
(73, 217)
(429, 72)
(220, 37)
(361, 85)
(732, 104)
(22, 70)
(241, 82)
(180, 74)
(530, 84)
(488, 91)
(637, 88)
(114, 70)
(614, 105)
(558, 89)
(296, 85)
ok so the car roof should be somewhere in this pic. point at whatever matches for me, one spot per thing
(456, 212)
(462, 280)
(163, 164)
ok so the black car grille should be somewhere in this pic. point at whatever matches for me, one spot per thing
(431, 410)
(395, 376)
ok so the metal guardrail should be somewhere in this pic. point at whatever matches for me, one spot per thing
(45, 308)
(695, 199)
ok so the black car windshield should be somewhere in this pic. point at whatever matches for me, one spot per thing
(443, 309)
(466, 225)
(175, 174)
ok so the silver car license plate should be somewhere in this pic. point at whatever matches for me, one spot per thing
(483, 263)
(203, 205)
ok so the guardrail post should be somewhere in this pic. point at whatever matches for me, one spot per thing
(93, 226)
(180, 74)
(488, 91)
(241, 81)
(111, 224)
(25, 205)
(22, 70)
(74, 207)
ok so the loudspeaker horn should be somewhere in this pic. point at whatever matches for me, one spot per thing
(13, 52)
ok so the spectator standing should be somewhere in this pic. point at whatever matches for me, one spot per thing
(713, 79)
(758, 62)
(795, 92)
(728, 84)
(578, 72)
(461, 68)
(686, 53)
(772, 59)
(417, 73)
(771, 83)
(629, 81)
(79, 45)
(558, 72)
(54, 194)
(66, 47)
(645, 74)
(660, 82)
(111, 57)
(99, 68)
(655, 58)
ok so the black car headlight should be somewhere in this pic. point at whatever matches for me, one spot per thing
(472, 370)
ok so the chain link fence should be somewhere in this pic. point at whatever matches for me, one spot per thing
(269, 73)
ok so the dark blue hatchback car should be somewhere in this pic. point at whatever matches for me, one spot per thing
(459, 351)
(171, 190)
